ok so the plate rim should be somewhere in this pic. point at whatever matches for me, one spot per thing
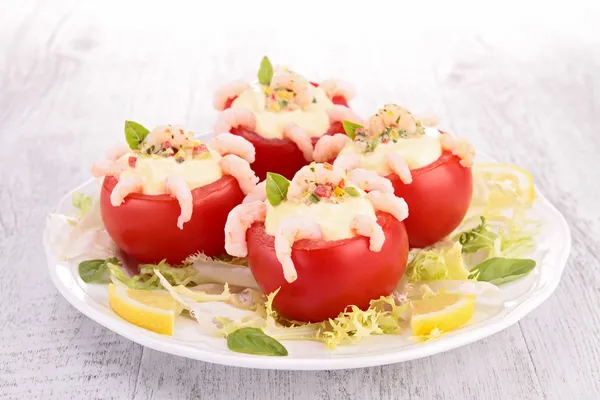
(147, 339)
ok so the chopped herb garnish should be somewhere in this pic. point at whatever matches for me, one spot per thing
(179, 160)
(314, 100)
(314, 198)
(312, 169)
(352, 191)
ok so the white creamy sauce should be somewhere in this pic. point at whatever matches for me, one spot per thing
(154, 171)
(334, 219)
(418, 152)
(313, 118)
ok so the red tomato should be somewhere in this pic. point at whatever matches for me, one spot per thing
(280, 155)
(331, 274)
(145, 226)
(438, 199)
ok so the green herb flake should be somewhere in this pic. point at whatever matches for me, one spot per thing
(350, 128)
(254, 341)
(314, 198)
(265, 73)
(314, 100)
(352, 191)
(277, 187)
(135, 134)
(498, 270)
(96, 271)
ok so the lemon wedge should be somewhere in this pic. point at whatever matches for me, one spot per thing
(501, 185)
(441, 313)
(149, 309)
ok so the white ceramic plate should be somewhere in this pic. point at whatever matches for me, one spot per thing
(193, 341)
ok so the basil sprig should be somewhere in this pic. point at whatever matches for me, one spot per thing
(96, 271)
(350, 128)
(135, 134)
(277, 188)
(498, 270)
(254, 341)
(265, 72)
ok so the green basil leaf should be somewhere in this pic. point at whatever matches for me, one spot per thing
(352, 191)
(135, 134)
(254, 341)
(96, 271)
(350, 128)
(265, 73)
(277, 187)
(498, 270)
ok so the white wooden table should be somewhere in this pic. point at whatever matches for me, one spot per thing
(522, 82)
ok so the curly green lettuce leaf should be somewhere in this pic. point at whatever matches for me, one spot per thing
(147, 278)
(81, 202)
(438, 263)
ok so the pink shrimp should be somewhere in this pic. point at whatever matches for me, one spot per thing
(347, 162)
(367, 226)
(317, 173)
(398, 165)
(238, 221)
(429, 120)
(125, 186)
(233, 118)
(460, 147)
(118, 151)
(177, 187)
(106, 168)
(240, 170)
(289, 231)
(329, 146)
(339, 113)
(369, 180)
(227, 92)
(259, 193)
(389, 203)
(299, 136)
(176, 135)
(337, 87)
(227, 143)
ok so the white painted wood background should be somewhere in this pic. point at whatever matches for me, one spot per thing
(521, 80)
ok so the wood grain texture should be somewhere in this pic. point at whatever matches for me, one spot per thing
(523, 83)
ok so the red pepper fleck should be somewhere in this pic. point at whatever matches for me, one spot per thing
(341, 184)
(166, 145)
(131, 161)
(199, 149)
(323, 191)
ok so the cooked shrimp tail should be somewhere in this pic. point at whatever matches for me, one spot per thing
(290, 231)
(227, 143)
(124, 187)
(240, 170)
(234, 118)
(366, 226)
(369, 180)
(259, 193)
(227, 92)
(339, 113)
(389, 203)
(347, 162)
(460, 147)
(177, 187)
(238, 221)
(398, 165)
(299, 136)
(337, 88)
(329, 146)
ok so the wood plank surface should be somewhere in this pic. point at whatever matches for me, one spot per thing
(522, 81)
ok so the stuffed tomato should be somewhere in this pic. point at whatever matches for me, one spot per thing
(321, 240)
(167, 195)
(430, 169)
(283, 115)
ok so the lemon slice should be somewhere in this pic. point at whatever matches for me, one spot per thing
(444, 313)
(152, 310)
(501, 185)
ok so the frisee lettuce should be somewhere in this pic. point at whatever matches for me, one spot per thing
(148, 280)
(442, 262)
